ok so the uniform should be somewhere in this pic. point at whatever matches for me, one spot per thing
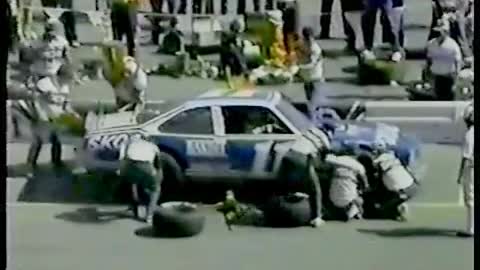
(51, 52)
(348, 178)
(468, 178)
(142, 167)
(444, 57)
(131, 90)
(398, 183)
(311, 67)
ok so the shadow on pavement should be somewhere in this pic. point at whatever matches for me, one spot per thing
(94, 216)
(411, 232)
(65, 186)
(148, 232)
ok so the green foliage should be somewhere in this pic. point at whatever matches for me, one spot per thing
(380, 72)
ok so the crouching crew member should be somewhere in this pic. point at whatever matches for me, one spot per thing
(466, 173)
(141, 166)
(348, 183)
(398, 185)
(130, 92)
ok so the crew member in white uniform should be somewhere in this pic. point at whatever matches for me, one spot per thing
(399, 185)
(51, 77)
(130, 93)
(466, 173)
(141, 165)
(349, 181)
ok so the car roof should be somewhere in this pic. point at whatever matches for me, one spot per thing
(228, 96)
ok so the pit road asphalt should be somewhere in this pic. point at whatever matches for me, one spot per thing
(48, 232)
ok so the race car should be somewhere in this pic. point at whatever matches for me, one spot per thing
(222, 135)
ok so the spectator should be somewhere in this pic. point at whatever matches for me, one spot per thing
(326, 18)
(311, 64)
(124, 22)
(353, 11)
(443, 61)
(456, 11)
(233, 62)
(25, 20)
(67, 18)
(397, 20)
(173, 41)
(369, 22)
(157, 6)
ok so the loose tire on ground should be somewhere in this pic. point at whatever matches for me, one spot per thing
(287, 211)
(177, 219)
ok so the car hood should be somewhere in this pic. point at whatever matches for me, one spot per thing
(367, 132)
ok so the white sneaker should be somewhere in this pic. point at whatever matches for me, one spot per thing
(317, 222)
(403, 212)
(396, 56)
(368, 55)
(75, 44)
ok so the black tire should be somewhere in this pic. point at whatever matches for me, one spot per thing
(174, 179)
(177, 220)
(287, 211)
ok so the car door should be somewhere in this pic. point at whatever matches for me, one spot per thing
(189, 135)
(250, 154)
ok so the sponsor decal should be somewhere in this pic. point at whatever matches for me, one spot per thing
(110, 142)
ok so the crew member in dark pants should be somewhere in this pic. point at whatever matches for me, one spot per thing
(67, 19)
(398, 23)
(326, 18)
(124, 22)
(369, 21)
(142, 168)
(444, 60)
(242, 6)
(157, 8)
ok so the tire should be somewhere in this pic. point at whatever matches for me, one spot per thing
(177, 219)
(174, 178)
(287, 211)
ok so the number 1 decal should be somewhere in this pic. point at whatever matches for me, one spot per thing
(206, 148)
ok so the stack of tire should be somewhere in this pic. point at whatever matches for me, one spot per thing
(177, 219)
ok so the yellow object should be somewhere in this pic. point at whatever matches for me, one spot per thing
(278, 52)
(113, 64)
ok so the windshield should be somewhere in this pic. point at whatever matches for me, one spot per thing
(153, 110)
(294, 116)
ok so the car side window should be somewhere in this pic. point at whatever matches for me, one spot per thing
(252, 120)
(193, 121)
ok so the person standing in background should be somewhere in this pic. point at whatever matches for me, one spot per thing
(157, 8)
(369, 22)
(67, 19)
(124, 22)
(466, 173)
(25, 20)
(311, 63)
(353, 12)
(456, 11)
(397, 20)
(326, 18)
(444, 60)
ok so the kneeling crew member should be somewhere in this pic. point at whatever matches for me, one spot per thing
(348, 183)
(142, 167)
(399, 185)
